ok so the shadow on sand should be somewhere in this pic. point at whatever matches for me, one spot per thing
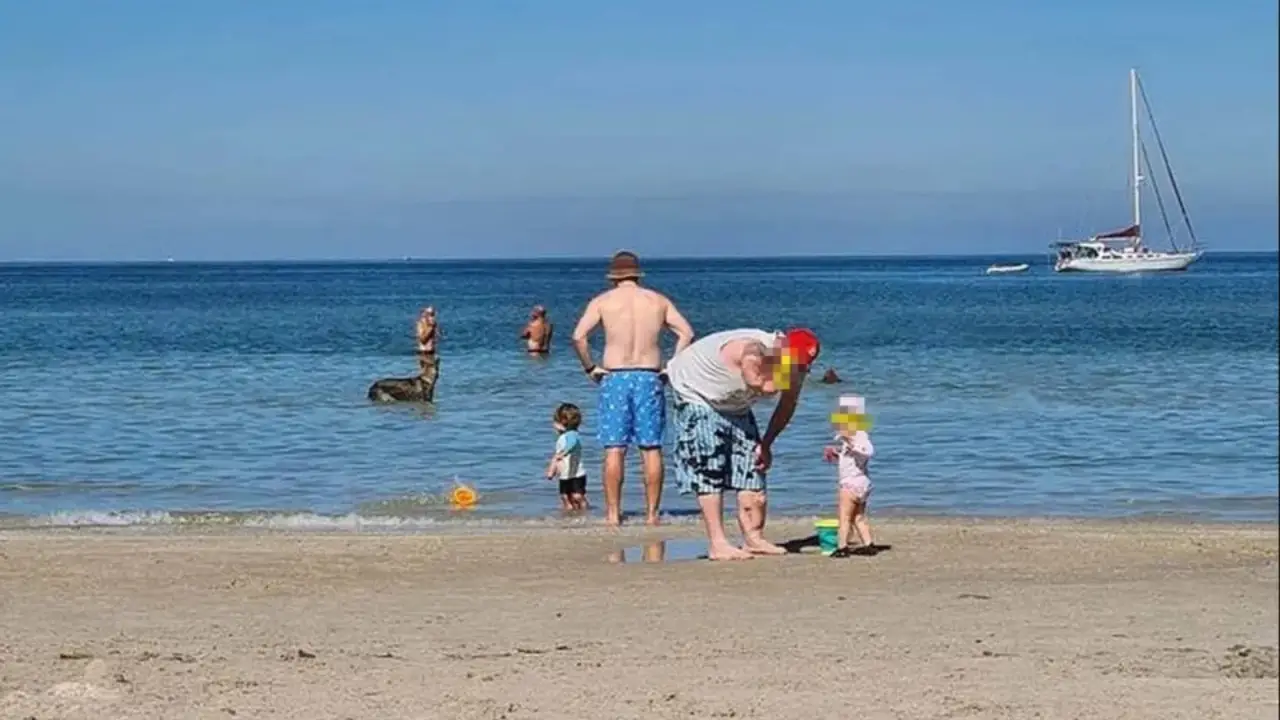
(666, 551)
(800, 544)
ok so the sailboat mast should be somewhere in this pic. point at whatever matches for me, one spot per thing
(1137, 152)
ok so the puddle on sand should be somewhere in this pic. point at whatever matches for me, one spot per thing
(662, 551)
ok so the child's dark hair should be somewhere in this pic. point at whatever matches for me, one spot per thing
(568, 416)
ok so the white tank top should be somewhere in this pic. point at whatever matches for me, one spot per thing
(699, 375)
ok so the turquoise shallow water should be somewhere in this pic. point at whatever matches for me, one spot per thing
(235, 393)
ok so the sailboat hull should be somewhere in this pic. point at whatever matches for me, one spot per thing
(1134, 263)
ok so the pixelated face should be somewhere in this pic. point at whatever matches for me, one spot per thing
(783, 370)
(787, 364)
(850, 415)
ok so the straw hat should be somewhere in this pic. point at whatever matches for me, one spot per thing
(624, 266)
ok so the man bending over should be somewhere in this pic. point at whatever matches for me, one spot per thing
(716, 381)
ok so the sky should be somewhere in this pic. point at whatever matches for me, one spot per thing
(317, 129)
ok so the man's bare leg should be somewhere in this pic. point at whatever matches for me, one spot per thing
(718, 547)
(653, 471)
(752, 508)
(615, 460)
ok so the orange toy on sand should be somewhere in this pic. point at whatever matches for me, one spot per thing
(463, 497)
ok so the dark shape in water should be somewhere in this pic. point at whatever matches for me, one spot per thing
(662, 551)
(420, 389)
(830, 377)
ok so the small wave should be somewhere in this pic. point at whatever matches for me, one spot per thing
(301, 520)
(420, 504)
(66, 486)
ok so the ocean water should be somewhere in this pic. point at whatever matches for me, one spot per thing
(193, 393)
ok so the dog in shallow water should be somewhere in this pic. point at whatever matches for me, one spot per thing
(420, 389)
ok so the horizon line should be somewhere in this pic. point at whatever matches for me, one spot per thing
(555, 259)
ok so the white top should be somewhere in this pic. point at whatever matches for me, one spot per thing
(699, 375)
(570, 446)
(855, 453)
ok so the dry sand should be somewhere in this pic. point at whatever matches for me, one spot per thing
(960, 619)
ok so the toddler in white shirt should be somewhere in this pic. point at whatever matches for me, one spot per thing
(853, 450)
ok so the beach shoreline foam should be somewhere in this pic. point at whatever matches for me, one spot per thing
(963, 617)
(442, 519)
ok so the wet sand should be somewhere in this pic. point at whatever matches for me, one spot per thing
(960, 619)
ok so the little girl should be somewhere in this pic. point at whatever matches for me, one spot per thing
(853, 450)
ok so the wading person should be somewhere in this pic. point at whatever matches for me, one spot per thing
(537, 332)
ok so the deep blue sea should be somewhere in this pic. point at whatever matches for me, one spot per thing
(206, 393)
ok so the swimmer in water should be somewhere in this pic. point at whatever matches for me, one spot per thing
(537, 333)
(426, 331)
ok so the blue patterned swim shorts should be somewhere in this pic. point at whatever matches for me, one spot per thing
(715, 451)
(632, 409)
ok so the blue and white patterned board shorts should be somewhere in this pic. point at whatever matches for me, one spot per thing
(632, 409)
(715, 451)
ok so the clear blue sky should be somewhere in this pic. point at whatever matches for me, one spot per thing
(234, 129)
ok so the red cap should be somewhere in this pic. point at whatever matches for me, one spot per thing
(803, 345)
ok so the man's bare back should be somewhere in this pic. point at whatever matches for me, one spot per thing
(632, 400)
(634, 318)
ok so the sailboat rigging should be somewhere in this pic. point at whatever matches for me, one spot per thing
(1123, 251)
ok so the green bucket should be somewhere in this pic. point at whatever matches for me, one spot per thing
(826, 530)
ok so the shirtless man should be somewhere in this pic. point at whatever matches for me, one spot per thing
(537, 333)
(718, 444)
(632, 407)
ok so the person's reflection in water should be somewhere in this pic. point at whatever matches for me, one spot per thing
(654, 552)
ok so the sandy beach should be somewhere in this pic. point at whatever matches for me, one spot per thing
(960, 619)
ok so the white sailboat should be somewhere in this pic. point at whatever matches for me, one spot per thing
(1122, 251)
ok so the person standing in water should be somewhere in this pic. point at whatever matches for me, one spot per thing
(715, 382)
(537, 332)
(425, 332)
(566, 461)
(632, 406)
